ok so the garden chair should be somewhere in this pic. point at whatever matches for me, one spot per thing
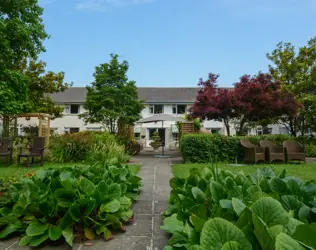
(293, 151)
(252, 153)
(37, 149)
(272, 152)
(6, 149)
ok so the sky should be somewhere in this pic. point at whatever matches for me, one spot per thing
(172, 43)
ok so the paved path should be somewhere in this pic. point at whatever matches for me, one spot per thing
(144, 233)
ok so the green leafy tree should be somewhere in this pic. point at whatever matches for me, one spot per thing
(296, 69)
(21, 36)
(41, 84)
(112, 99)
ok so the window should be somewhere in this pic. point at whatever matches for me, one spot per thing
(179, 109)
(137, 135)
(93, 129)
(73, 130)
(156, 109)
(267, 131)
(72, 109)
(175, 136)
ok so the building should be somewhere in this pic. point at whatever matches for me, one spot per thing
(173, 101)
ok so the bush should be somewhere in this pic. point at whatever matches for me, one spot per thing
(216, 209)
(201, 148)
(58, 204)
(87, 146)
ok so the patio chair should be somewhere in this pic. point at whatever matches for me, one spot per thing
(6, 149)
(272, 152)
(293, 151)
(252, 152)
(37, 149)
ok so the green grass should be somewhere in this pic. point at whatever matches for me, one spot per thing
(303, 171)
(15, 171)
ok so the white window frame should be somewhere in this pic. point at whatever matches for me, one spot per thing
(175, 109)
(67, 109)
(152, 108)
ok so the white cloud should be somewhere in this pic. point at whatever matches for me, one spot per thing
(102, 5)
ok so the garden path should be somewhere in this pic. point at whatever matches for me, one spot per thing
(144, 233)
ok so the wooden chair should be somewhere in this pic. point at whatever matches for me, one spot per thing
(37, 149)
(272, 152)
(252, 152)
(6, 148)
(293, 151)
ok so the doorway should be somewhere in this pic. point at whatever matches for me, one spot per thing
(162, 134)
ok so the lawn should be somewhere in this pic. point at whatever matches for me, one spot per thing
(303, 171)
(15, 171)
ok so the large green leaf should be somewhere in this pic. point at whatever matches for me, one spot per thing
(217, 191)
(216, 232)
(262, 233)
(270, 211)
(114, 191)
(232, 245)
(54, 232)
(74, 211)
(89, 234)
(197, 222)
(290, 202)
(25, 240)
(11, 228)
(37, 240)
(233, 189)
(306, 234)
(66, 221)
(110, 207)
(36, 228)
(238, 206)
(172, 224)
(65, 197)
(198, 194)
(86, 186)
(290, 227)
(125, 202)
(68, 235)
(285, 242)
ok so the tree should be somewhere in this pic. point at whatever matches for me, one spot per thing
(213, 103)
(40, 85)
(260, 99)
(21, 38)
(112, 99)
(297, 73)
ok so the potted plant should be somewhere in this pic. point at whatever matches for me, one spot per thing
(156, 141)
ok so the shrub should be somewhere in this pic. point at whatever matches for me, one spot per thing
(216, 209)
(200, 148)
(87, 146)
(57, 204)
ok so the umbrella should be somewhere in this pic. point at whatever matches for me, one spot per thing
(161, 118)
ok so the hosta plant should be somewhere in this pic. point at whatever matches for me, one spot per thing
(58, 204)
(216, 209)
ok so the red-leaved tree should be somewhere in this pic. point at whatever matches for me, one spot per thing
(214, 103)
(261, 98)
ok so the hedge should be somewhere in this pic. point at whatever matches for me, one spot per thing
(201, 148)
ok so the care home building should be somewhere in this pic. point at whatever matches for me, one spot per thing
(172, 101)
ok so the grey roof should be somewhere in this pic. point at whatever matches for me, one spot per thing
(146, 94)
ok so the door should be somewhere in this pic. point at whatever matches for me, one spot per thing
(162, 134)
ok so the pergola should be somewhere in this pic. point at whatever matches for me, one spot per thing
(44, 123)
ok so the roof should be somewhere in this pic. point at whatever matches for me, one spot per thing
(146, 94)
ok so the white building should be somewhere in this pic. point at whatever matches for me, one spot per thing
(173, 101)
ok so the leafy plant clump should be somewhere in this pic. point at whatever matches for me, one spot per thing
(216, 209)
(59, 204)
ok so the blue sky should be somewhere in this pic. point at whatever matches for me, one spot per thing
(172, 42)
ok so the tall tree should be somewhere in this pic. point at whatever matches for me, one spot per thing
(261, 99)
(213, 103)
(40, 85)
(21, 37)
(296, 70)
(112, 99)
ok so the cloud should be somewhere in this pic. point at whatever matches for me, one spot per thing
(102, 5)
